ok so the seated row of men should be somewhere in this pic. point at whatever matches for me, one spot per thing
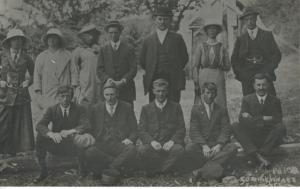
(104, 138)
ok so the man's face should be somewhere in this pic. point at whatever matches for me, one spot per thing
(161, 93)
(261, 86)
(251, 21)
(209, 96)
(114, 33)
(162, 22)
(212, 32)
(53, 41)
(16, 42)
(110, 95)
(65, 99)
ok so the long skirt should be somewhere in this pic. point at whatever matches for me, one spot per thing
(216, 76)
(16, 129)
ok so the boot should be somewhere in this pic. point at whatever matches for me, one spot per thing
(44, 172)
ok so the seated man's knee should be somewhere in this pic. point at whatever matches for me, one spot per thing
(232, 148)
(191, 147)
(90, 152)
(177, 149)
(130, 148)
(144, 150)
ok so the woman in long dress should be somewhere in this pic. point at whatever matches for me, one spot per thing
(16, 128)
(211, 61)
(53, 68)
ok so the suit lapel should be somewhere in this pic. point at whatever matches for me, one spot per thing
(10, 60)
(166, 112)
(101, 112)
(203, 112)
(59, 116)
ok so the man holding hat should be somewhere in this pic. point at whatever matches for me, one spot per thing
(162, 131)
(164, 55)
(254, 52)
(53, 68)
(68, 135)
(85, 59)
(114, 127)
(117, 63)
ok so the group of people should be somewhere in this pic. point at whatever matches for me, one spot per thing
(87, 99)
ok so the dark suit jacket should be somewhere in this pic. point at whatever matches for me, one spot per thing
(251, 105)
(124, 117)
(178, 57)
(210, 132)
(172, 127)
(126, 68)
(77, 119)
(270, 53)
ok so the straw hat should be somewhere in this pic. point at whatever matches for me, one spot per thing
(53, 31)
(213, 22)
(14, 33)
(87, 28)
(249, 11)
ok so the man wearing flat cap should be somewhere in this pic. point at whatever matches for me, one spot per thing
(85, 59)
(117, 63)
(68, 136)
(254, 52)
(164, 55)
(162, 131)
(114, 127)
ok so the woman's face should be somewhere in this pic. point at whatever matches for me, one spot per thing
(53, 41)
(16, 42)
(212, 31)
(88, 38)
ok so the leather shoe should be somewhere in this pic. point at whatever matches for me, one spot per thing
(41, 177)
(264, 162)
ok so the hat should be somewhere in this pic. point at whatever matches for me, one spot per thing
(249, 11)
(213, 22)
(14, 33)
(114, 23)
(53, 31)
(160, 83)
(163, 11)
(110, 177)
(110, 85)
(87, 28)
(64, 89)
(210, 170)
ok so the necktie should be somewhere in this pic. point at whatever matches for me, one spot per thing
(209, 112)
(211, 55)
(252, 35)
(65, 115)
(111, 110)
(115, 47)
(15, 57)
(261, 101)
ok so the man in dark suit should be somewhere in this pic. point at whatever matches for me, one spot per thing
(162, 131)
(260, 127)
(69, 123)
(114, 127)
(254, 52)
(117, 63)
(164, 55)
(210, 135)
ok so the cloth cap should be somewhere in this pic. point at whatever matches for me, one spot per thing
(249, 11)
(160, 83)
(110, 85)
(114, 23)
(163, 11)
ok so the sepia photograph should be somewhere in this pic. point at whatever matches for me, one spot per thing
(149, 93)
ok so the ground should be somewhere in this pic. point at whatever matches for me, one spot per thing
(284, 173)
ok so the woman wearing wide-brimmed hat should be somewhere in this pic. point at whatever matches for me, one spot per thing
(16, 128)
(85, 60)
(211, 61)
(53, 68)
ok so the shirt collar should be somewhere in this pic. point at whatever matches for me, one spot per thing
(115, 43)
(161, 105)
(161, 32)
(210, 42)
(207, 106)
(261, 97)
(63, 109)
(255, 30)
(114, 106)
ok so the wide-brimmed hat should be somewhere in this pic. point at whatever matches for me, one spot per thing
(89, 28)
(114, 23)
(249, 11)
(213, 22)
(163, 11)
(14, 33)
(53, 31)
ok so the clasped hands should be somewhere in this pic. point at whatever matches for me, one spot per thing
(57, 137)
(211, 152)
(166, 147)
(24, 84)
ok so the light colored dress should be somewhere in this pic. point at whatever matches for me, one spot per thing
(85, 60)
(210, 62)
(53, 70)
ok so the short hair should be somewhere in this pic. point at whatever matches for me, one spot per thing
(65, 89)
(160, 83)
(211, 86)
(261, 76)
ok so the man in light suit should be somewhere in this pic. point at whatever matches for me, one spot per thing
(164, 55)
(210, 135)
(117, 63)
(68, 134)
(254, 52)
(260, 128)
(162, 131)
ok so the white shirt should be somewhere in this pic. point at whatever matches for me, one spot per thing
(14, 52)
(261, 98)
(208, 110)
(115, 45)
(63, 110)
(161, 105)
(253, 33)
(161, 35)
(111, 109)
